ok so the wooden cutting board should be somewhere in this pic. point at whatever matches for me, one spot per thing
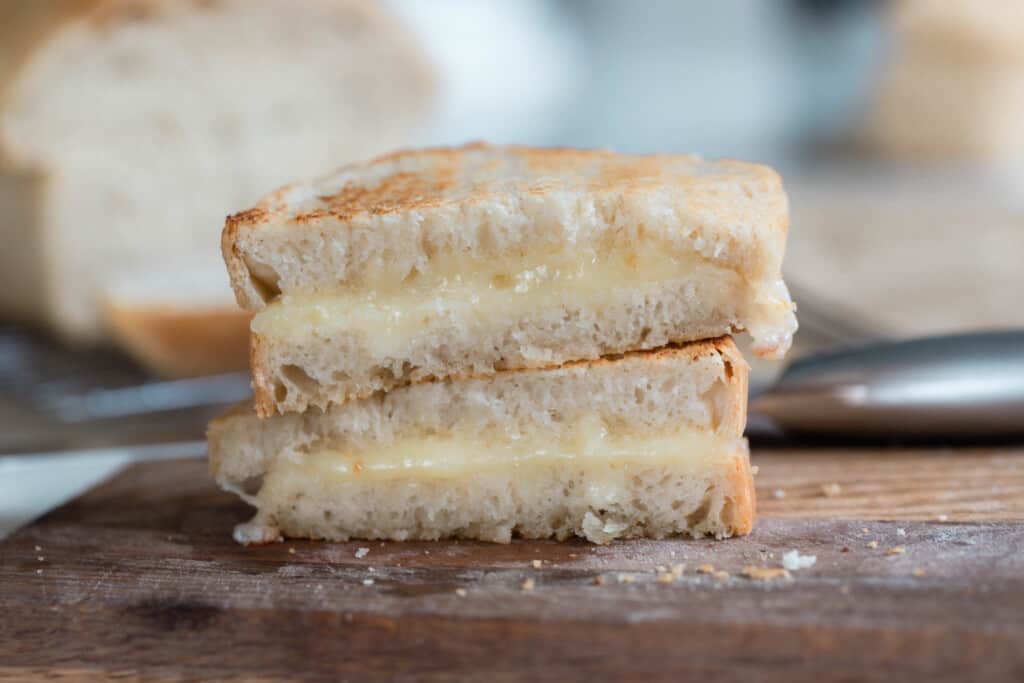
(139, 579)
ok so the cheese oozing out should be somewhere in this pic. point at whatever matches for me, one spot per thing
(588, 442)
(392, 310)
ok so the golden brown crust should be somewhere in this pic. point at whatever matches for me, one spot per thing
(439, 179)
(737, 373)
(742, 499)
(262, 381)
(174, 342)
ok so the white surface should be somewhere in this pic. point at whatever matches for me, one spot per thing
(507, 70)
(31, 485)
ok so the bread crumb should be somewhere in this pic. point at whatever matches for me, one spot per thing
(461, 592)
(39, 548)
(896, 550)
(794, 561)
(253, 533)
(41, 558)
(372, 569)
(528, 585)
(873, 545)
(778, 493)
(39, 571)
(863, 530)
(367, 582)
(660, 568)
(918, 571)
(943, 518)
(831, 490)
(765, 573)
(573, 556)
(706, 568)
(600, 531)
(362, 552)
(671, 553)
(625, 578)
(721, 575)
(537, 564)
(754, 469)
(901, 532)
(670, 574)
(599, 580)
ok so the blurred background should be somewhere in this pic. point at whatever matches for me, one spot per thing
(128, 130)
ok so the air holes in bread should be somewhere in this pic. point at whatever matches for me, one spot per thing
(701, 513)
(297, 377)
(264, 279)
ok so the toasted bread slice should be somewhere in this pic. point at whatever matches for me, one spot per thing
(644, 445)
(428, 264)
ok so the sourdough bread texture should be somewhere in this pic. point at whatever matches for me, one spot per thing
(471, 260)
(186, 103)
(558, 500)
(693, 397)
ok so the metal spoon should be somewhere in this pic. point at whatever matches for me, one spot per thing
(956, 386)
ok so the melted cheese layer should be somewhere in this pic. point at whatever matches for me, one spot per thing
(490, 296)
(587, 443)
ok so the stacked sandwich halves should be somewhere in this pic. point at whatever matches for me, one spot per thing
(493, 341)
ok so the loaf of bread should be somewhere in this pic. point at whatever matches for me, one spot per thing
(130, 128)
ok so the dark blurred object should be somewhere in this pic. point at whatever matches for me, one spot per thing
(53, 399)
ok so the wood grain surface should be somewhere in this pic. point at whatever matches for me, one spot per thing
(139, 580)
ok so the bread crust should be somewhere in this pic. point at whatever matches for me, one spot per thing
(262, 378)
(741, 505)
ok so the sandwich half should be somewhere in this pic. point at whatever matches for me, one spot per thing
(648, 444)
(450, 262)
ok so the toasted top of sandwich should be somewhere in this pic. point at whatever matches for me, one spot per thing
(396, 216)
